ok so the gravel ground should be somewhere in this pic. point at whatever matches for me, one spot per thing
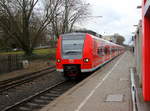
(13, 95)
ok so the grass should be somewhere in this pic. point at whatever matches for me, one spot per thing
(44, 51)
(12, 53)
(37, 52)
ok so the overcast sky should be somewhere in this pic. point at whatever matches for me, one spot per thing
(119, 16)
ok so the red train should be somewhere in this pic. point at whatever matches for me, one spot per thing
(82, 52)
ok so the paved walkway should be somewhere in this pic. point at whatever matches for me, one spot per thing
(106, 90)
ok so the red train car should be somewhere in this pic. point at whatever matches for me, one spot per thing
(82, 52)
(145, 49)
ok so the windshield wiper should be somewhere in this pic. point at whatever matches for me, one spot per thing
(72, 52)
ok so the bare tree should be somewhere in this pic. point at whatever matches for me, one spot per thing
(23, 22)
(70, 12)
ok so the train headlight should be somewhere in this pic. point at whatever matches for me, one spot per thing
(58, 60)
(86, 60)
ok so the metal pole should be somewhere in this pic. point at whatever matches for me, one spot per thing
(133, 89)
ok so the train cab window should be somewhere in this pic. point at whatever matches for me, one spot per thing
(72, 45)
(72, 48)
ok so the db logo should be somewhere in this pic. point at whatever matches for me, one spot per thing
(71, 60)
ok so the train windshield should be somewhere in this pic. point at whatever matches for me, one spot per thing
(72, 48)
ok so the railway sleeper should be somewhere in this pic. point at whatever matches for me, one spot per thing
(45, 97)
(54, 95)
(41, 101)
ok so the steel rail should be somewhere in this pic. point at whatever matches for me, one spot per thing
(25, 79)
(31, 97)
(23, 76)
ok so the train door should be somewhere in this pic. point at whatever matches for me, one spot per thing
(101, 52)
(107, 52)
(110, 52)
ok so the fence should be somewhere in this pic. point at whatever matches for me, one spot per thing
(10, 63)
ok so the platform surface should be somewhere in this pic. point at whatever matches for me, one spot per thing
(108, 89)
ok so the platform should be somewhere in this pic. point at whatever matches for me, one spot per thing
(108, 89)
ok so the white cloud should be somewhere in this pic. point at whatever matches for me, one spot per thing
(119, 16)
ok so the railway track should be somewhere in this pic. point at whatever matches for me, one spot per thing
(14, 82)
(40, 99)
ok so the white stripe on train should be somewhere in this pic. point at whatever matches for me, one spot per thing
(87, 70)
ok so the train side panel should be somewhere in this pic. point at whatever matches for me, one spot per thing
(59, 65)
(72, 60)
(87, 54)
(98, 56)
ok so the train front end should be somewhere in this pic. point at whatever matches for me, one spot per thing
(69, 54)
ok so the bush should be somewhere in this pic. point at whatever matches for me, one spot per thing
(53, 43)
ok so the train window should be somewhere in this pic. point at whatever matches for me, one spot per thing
(106, 50)
(113, 50)
(100, 51)
(95, 44)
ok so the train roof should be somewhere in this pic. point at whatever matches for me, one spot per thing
(70, 34)
(106, 41)
(75, 35)
(82, 35)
